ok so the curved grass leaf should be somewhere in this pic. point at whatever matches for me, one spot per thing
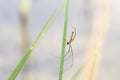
(44, 30)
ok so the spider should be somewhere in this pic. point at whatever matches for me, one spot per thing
(69, 42)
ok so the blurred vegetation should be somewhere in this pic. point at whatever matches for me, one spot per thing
(92, 53)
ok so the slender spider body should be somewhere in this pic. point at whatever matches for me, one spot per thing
(73, 35)
(72, 38)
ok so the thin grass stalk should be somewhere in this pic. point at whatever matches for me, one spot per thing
(100, 41)
(44, 30)
(93, 67)
(64, 42)
(24, 11)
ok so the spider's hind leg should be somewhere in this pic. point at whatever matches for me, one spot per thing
(71, 54)
(67, 51)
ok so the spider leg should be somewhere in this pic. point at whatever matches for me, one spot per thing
(67, 51)
(72, 58)
(71, 54)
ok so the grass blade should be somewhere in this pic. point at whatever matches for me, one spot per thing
(44, 30)
(99, 42)
(95, 51)
(64, 42)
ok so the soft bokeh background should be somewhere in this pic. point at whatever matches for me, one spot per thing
(43, 64)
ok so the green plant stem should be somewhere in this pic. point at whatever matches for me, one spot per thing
(64, 42)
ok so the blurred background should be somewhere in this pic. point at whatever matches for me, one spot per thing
(20, 24)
